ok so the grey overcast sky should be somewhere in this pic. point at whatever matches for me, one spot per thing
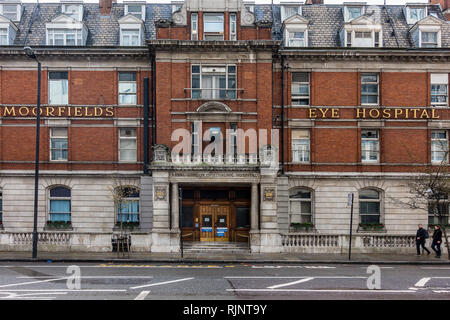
(269, 1)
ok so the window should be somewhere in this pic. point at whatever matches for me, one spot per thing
(439, 146)
(353, 12)
(250, 7)
(213, 26)
(187, 217)
(439, 89)
(296, 39)
(438, 216)
(64, 37)
(233, 26)
(58, 144)
(369, 206)
(349, 39)
(369, 88)
(363, 39)
(195, 138)
(214, 82)
(369, 145)
(300, 145)
(60, 205)
(58, 90)
(127, 145)
(127, 88)
(415, 14)
(242, 217)
(429, 39)
(176, 7)
(289, 11)
(4, 37)
(73, 10)
(300, 88)
(300, 206)
(194, 26)
(233, 139)
(136, 10)
(128, 205)
(11, 11)
(377, 39)
(130, 37)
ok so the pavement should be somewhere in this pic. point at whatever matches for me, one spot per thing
(283, 258)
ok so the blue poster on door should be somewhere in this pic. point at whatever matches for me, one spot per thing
(206, 229)
(221, 232)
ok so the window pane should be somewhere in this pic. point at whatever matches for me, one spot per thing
(213, 22)
(187, 217)
(127, 76)
(369, 194)
(300, 77)
(127, 87)
(60, 192)
(299, 194)
(370, 219)
(242, 217)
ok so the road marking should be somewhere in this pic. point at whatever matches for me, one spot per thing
(290, 283)
(436, 268)
(441, 291)
(31, 296)
(422, 282)
(32, 282)
(294, 277)
(64, 290)
(91, 277)
(161, 283)
(326, 290)
(142, 295)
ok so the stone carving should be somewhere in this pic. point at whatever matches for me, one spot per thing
(179, 16)
(269, 194)
(160, 153)
(160, 194)
(247, 17)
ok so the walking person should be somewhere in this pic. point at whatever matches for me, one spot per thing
(437, 240)
(421, 237)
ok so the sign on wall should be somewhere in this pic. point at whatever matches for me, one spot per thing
(375, 113)
(57, 111)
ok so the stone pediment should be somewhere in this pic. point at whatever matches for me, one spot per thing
(130, 19)
(296, 19)
(214, 106)
(430, 20)
(62, 18)
(362, 20)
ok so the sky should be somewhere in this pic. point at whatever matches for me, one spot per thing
(392, 2)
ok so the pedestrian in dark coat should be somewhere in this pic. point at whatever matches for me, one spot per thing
(421, 236)
(437, 240)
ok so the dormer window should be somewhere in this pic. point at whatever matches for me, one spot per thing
(426, 33)
(295, 31)
(213, 26)
(429, 39)
(12, 11)
(176, 5)
(73, 10)
(352, 12)
(415, 13)
(288, 11)
(65, 31)
(361, 32)
(363, 39)
(250, 6)
(131, 31)
(296, 39)
(137, 10)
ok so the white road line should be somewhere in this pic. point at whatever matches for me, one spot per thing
(63, 290)
(422, 282)
(293, 277)
(142, 295)
(325, 290)
(92, 277)
(441, 291)
(32, 282)
(290, 283)
(436, 268)
(161, 283)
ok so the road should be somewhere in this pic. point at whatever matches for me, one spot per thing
(55, 281)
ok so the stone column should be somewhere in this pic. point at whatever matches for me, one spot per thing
(254, 208)
(175, 207)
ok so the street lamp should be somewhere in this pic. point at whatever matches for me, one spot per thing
(30, 53)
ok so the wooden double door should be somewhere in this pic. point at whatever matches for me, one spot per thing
(214, 223)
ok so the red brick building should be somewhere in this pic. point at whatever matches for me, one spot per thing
(284, 111)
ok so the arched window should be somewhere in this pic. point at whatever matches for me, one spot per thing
(127, 205)
(60, 204)
(300, 206)
(369, 206)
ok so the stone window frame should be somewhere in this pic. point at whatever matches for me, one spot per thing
(134, 199)
(380, 200)
(50, 198)
(311, 200)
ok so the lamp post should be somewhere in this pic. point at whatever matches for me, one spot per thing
(30, 53)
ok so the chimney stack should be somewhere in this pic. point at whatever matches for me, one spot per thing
(445, 4)
(105, 7)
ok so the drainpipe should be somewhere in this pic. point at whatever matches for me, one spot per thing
(282, 115)
(146, 123)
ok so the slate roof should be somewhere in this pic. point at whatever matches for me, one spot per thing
(325, 22)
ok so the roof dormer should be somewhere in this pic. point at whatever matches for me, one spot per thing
(65, 31)
(290, 8)
(415, 12)
(426, 33)
(295, 31)
(73, 9)
(353, 10)
(131, 31)
(135, 8)
(11, 9)
(8, 31)
(176, 5)
(361, 32)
